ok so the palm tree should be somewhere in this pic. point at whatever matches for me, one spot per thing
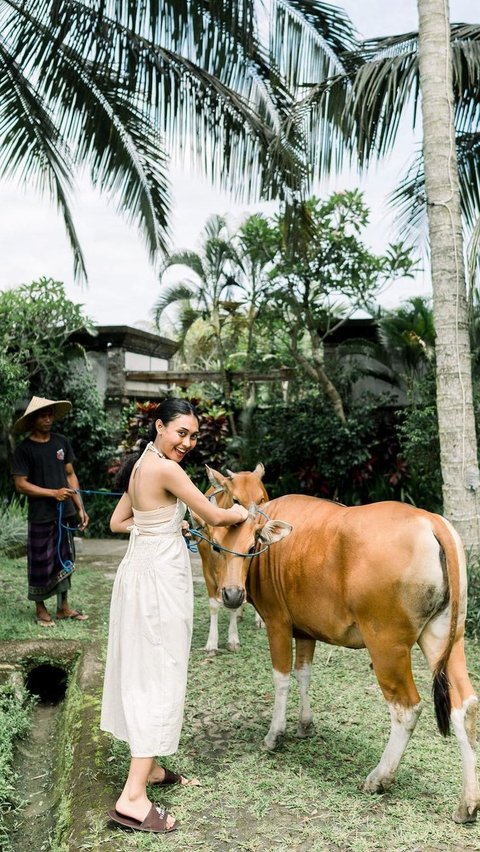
(379, 87)
(456, 420)
(208, 295)
(116, 88)
(407, 335)
(382, 81)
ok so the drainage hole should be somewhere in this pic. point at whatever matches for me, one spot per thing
(48, 682)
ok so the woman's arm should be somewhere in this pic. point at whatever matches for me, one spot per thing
(175, 480)
(122, 517)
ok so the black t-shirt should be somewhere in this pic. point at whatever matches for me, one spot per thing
(43, 463)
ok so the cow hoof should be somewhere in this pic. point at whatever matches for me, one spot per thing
(269, 742)
(305, 729)
(211, 652)
(233, 646)
(464, 815)
(373, 784)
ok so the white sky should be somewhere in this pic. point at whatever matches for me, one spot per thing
(122, 285)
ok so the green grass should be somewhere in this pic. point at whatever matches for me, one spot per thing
(305, 796)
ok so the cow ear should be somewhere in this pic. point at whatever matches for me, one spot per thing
(273, 531)
(260, 470)
(214, 477)
(230, 473)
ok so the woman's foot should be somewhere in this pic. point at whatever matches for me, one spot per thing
(164, 777)
(138, 809)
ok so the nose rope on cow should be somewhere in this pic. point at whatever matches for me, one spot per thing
(220, 547)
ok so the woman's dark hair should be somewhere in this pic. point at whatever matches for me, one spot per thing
(167, 411)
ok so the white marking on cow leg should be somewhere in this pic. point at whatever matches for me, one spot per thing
(403, 721)
(233, 643)
(259, 622)
(212, 641)
(278, 724)
(463, 722)
(306, 728)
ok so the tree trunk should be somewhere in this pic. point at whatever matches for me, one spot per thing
(458, 448)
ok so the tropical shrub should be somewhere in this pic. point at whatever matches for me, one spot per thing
(212, 445)
(306, 448)
(13, 528)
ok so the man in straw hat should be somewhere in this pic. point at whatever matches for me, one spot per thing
(43, 470)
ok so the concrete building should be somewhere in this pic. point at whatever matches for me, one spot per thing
(126, 361)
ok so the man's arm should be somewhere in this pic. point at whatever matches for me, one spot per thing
(23, 486)
(74, 484)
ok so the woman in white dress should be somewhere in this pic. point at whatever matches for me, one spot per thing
(152, 609)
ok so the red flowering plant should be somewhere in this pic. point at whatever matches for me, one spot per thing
(212, 443)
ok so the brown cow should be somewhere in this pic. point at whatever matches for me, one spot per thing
(244, 487)
(382, 577)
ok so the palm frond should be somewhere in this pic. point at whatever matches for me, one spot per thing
(185, 257)
(33, 150)
(177, 293)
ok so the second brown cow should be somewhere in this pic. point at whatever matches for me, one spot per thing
(244, 487)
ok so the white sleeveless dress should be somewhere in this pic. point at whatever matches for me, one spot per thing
(150, 630)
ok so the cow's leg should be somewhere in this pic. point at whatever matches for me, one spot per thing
(463, 718)
(233, 643)
(392, 665)
(259, 622)
(303, 671)
(280, 641)
(212, 641)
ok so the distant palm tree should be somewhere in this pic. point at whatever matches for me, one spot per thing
(117, 87)
(407, 334)
(208, 294)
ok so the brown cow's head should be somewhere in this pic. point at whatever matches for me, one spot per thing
(244, 487)
(256, 532)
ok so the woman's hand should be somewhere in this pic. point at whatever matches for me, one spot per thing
(240, 513)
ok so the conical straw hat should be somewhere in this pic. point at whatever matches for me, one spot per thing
(60, 408)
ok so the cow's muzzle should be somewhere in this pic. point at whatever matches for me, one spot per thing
(233, 597)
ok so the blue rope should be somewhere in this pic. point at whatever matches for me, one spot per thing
(218, 547)
(68, 565)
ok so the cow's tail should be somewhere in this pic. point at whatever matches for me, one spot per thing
(450, 555)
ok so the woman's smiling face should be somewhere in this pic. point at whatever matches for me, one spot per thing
(176, 438)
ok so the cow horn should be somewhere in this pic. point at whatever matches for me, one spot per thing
(230, 473)
(214, 477)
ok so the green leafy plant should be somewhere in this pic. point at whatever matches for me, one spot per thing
(13, 528)
(212, 447)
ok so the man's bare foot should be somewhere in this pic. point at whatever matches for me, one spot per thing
(71, 613)
(44, 619)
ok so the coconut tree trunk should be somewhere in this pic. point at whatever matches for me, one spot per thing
(458, 448)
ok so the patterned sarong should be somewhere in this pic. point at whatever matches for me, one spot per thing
(46, 576)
